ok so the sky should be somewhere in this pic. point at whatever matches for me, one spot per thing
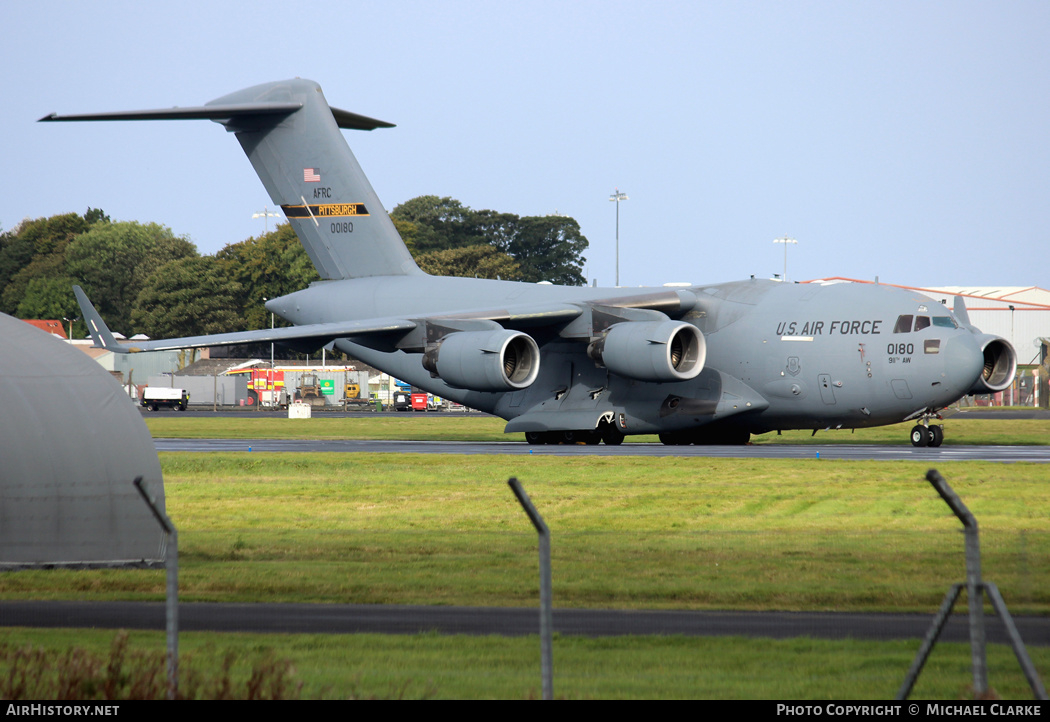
(901, 140)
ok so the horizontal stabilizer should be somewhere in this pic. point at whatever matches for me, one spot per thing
(343, 118)
(201, 112)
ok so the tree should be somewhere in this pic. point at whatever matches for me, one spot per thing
(545, 248)
(472, 262)
(549, 248)
(51, 298)
(440, 223)
(408, 231)
(41, 268)
(269, 266)
(42, 242)
(114, 261)
(32, 263)
(96, 215)
(189, 296)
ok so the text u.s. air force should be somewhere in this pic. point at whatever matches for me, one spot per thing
(846, 327)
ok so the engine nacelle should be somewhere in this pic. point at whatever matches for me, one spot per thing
(485, 360)
(1000, 365)
(651, 350)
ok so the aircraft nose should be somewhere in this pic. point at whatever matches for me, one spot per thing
(963, 361)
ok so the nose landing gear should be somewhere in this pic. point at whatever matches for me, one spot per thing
(925, 434)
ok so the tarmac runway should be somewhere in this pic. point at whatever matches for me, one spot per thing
(902, 452)
(228, 412)
(398, 619)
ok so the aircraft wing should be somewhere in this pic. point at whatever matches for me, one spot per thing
(314, 335)
(321, 334)
(317, 334)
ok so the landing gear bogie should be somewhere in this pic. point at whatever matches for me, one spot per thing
(611, 435)
(605, 433)
(931, 435)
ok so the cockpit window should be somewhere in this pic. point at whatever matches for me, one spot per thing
(903, 324)
(945, 322)
(921, 322)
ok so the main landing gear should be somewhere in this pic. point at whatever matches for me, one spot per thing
(606, 432)
(926, 434)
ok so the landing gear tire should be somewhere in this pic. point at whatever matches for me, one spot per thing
(936, 436)
(674, 438)
(611, 435)
(536, 438)
(735, 437)
(921, 436)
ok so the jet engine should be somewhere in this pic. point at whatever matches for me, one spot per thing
(1000, 365)
(651, 350)
(499, 360)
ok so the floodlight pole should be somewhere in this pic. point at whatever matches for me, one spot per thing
(266, 215)
(171, 564)
(70, 320)
(617, 197)
(546, 616)
(1013, 384)
(785, 240)
(273, 382)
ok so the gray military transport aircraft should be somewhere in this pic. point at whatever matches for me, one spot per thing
(712, 363)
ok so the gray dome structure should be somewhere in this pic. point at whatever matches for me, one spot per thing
(71, 444)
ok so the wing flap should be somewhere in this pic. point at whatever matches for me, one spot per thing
(516, 317)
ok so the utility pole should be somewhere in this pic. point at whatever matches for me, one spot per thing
(617, 197)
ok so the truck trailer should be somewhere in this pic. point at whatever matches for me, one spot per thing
(154, 397)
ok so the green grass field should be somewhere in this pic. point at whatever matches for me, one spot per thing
(365, 666)
(448, 427)
(627, 532)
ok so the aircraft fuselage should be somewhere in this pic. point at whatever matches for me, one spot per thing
(779, 356)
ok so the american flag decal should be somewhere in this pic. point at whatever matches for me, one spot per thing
(310, 175)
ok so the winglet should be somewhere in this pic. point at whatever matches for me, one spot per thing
(98, 329)
(961, 315)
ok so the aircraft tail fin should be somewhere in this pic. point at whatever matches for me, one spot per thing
(292, 138)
